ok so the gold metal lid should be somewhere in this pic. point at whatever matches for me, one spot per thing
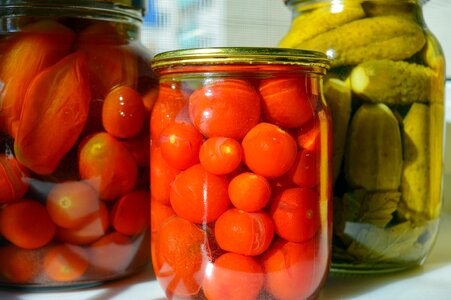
(241, 56)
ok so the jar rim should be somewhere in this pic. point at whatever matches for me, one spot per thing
(134, 8)
(240, 55)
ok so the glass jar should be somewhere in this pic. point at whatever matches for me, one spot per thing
(385, 91)
(75, 93)
(240, 174)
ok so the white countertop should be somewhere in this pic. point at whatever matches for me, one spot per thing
(431, 281)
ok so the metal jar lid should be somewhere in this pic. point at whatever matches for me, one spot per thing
(315, 60)
(132, 8)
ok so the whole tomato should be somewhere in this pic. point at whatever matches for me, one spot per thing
(107, 164)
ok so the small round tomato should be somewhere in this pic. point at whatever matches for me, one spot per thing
(123, 112)
(26, 224)
(65, 262)
(130, 214)
(199, 196)
(13, 179)
(268, 150)
(293, 270)
(107, 165)
(161, 176)
(228, 108)
(158, 214)
(180, 257)
(296, 214)
(18, 265)
(234, 276)
(92, 231)
(286, 102)
(249, 192)
(180, 144)
(220, 155)
(244, 233)
(71, 204)
(171, 99)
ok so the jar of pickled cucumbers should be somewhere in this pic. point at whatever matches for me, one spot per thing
(385, 91)
(75, 98)
(240, 174)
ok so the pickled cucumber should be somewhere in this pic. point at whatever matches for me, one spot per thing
(415, 182)
(373, 158)
(391, 82)
(338, 98)
(382, 37)
(308, 25)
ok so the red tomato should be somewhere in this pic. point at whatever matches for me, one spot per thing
(180, 144)
(170, 101)
(161, 176)
(158, 214)
(54, 113)
(13, 179)
(34, 48)
(107, 165)
(71, 204)
(286, 102)
(305, 171)
(220, 156)
(18, 265)
(65, 262)
(268, 150)
(92, 231)
(228, 108)
(296, 214)
(292, 270)
(244, 233)
(199, 196)
(111, 62)
(249, 192)
(130, 214)
(123, 112)
(308, 136)
(234, 277)
(26, 224)
(180, 257)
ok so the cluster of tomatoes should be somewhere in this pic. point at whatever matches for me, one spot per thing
(74, 201)
(236, 165)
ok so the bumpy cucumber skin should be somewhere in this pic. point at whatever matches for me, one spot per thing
(373, 158)
(392, 82)
(306, 26)
(338, 97)
(415, 183)
(382, 37)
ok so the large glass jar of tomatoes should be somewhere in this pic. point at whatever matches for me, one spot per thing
(240, 181)
(75, 97)
(385, 91)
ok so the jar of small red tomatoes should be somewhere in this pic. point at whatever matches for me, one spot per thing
(240, 174)
(75, 96)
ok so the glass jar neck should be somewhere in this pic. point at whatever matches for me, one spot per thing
(411, 9)
(15, 15)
